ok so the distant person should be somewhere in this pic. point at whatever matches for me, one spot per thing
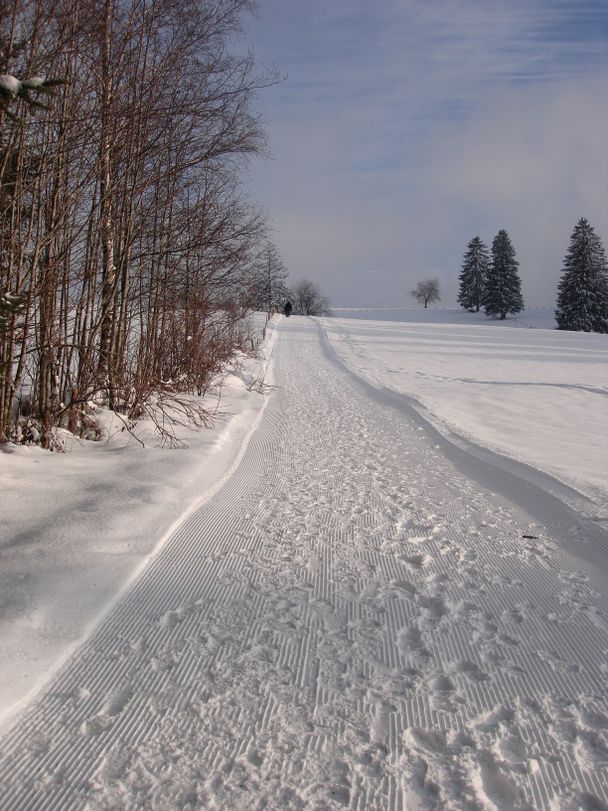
(288, 308)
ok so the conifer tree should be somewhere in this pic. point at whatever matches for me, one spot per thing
(503, 285)
(582, 300)
(473, 275)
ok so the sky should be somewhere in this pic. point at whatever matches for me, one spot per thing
(404, 128)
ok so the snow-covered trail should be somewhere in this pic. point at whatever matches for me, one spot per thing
(349, 623)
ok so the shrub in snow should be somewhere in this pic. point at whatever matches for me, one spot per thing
(503, 285)
(582, 300)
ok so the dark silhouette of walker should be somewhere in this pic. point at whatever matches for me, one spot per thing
(287, 309)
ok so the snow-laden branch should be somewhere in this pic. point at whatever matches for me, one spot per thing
(12, 89)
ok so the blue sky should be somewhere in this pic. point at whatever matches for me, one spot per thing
(403, 128)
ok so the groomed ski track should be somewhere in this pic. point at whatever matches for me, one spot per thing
(349, 623)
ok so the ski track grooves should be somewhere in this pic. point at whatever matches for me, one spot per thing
(348, 623)
(556, 505)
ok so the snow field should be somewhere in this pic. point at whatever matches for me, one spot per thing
(348, 623)
(530, 318)
(538, 396)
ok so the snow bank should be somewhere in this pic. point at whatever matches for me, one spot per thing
(536, 395)
(76, 527)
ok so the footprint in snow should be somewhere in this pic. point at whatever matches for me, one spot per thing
(416, 561)
(512, 748)
(432, 742)
(465, 667)
(512, 616)
(512, 669)
(581, 801)
(485, 631)
(498, 716)
(577, 578)
(493, 784)
(161, 663)
(463, 609)
(590, 750)
(402, 588)
(409, 640)
(557, 663)
(171, 618)
(432, 612)
(440, 683)
(112, 706)
(492, 655)
(443, 693)
(591, 718)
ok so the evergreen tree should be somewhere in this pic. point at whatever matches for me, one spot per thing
(503, 285)
(473, 276)
(582, 300)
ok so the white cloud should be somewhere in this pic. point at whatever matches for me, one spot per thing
(533, 161)
(405, 128)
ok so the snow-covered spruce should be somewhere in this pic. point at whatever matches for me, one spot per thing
(473, 276)
(582, 301)
(503, 287)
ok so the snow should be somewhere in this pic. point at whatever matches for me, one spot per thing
(535, 395)
(350, 621)
(532, 318)
(10, 85)
(33, 83)
(78, 526)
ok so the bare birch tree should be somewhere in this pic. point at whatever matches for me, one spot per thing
(124, 236)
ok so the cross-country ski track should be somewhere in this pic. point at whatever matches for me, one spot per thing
(350, 622)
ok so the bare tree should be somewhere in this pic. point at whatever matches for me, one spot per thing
(308, 299)
(269, 280)
(427, 292)
(125, 238)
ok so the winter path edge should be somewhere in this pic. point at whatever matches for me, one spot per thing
(541, 497)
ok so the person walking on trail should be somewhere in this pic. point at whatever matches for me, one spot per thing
(288, 308)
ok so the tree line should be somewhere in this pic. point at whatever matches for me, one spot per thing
(128, 250)
(271, 289)
(493, 282)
